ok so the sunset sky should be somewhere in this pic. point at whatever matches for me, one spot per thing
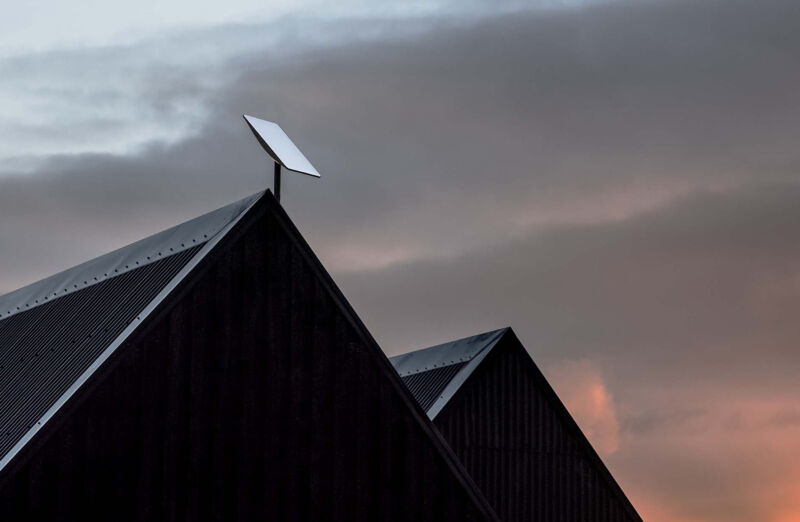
(618, 180)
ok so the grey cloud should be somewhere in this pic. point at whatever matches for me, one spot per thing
(548, 114)
(446, 139)
(647, 423)
(788, 416)
(537, 113)
(689, 309)
(618, 182)
(682, 283)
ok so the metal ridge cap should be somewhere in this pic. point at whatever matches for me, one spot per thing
(148, 250)
(461, 377)
(445, 354)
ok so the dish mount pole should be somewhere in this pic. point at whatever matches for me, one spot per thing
(277, 182)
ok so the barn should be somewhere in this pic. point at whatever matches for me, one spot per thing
(512, 433)
(214, 371)
(211, 372)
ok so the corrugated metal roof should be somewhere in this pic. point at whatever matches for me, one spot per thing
(55, 333)
(428, 386)
(433, 375)
(148, 250)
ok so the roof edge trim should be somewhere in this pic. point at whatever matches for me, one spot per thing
(150, 249)
(344, 306)
(458, 380)
(129, 330)
(572, 425)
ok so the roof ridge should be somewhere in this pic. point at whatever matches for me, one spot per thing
(472, 349)
(430, 358)
(143, 252)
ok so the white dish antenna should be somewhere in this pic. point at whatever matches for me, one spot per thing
(280, 148)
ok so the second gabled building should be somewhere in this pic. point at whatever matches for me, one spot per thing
(511, 432)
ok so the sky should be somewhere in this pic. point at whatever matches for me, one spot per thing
(618, 180)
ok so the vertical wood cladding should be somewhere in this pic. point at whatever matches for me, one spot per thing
(249, 395)
(523, 450)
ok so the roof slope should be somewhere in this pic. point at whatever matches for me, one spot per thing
(433, 375)
(56, 332)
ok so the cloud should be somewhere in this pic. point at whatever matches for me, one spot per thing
(618, 182)
(670, 308)
(729, 464)
(450, 133)
(580, 387)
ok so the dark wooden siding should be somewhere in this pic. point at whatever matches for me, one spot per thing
(530, 461)
(249, 396)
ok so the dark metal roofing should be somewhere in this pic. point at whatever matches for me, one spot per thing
(55, 333)
(131, 257)
(433, 375)
(428, 386)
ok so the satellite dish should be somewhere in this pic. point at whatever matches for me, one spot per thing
(280, 148)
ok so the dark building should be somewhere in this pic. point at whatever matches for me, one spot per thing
(512, 433)
(211, 372)
(215, 372)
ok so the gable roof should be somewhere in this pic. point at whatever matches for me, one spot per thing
(55, 333)
(434, 375)
(124, 307)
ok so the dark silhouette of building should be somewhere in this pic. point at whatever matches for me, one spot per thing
(512, 433)
(211, 372)
(215, 372)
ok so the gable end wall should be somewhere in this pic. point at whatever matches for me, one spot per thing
(505, 427)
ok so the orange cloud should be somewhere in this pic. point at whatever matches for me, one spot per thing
(735, 459)
(580, 386)
(690, 454)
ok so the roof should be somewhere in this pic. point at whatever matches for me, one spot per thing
(55, 333)
(433, 375)
(105, 319)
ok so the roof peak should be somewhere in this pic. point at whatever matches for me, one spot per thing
(435, 374)
(148, 250)
(445, 354)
